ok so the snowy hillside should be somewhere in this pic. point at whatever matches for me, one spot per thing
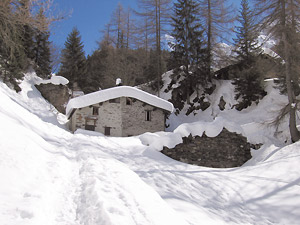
(50, 176)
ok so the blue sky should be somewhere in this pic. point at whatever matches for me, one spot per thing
(89, 16)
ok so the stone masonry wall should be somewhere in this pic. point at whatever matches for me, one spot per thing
(134, 118)
(224, 151)
(109, 116)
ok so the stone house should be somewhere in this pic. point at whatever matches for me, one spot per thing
(120, 111)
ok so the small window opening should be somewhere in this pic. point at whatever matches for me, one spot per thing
(148, 115)
(107, 131)
(95, 111)
(128, 101)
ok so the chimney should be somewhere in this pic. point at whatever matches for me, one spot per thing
(118, 82)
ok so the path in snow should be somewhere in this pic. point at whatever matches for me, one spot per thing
(50, 176)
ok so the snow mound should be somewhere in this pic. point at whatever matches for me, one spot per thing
(160, 139)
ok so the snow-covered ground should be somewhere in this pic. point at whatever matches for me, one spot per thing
(50, 176)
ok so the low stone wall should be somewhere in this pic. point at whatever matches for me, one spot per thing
(57, 95)
(224, 151)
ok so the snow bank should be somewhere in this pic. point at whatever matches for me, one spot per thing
(160, 139)
(89, 132)
(117, 92)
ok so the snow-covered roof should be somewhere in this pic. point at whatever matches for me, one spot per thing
(116, 92)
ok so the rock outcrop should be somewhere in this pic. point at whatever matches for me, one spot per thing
(224, 151)
(57, 95)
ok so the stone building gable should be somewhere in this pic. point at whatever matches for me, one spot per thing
(139, 117)
(224, 151)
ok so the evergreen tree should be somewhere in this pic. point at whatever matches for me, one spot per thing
(17, 27)
(73, 60)
(248, 80)
(247, 46)
(28, 31)
(42, 54)
(96, 71)
(41, 50)
(187, 52)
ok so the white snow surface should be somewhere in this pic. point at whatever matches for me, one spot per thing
(51, 176)
(117, 92)
(56, 80)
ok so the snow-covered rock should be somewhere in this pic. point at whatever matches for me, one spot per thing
(56, 80)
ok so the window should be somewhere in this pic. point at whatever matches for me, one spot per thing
(148, 115)
(107, 131)
(115, 100)
(95, 111)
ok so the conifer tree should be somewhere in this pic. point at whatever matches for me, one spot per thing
(96, 70)
(247, 46)
(248, 80)
(27, 31)
(41, 49)
(18, 22)
(187, 51)
(73, 60)
(42, 54)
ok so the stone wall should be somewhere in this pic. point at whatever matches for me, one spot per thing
(109, 115)
(224, 151)
(57, 95)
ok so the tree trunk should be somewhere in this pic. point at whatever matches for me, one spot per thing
(158, 53)
(295, 134)
(209, 41)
